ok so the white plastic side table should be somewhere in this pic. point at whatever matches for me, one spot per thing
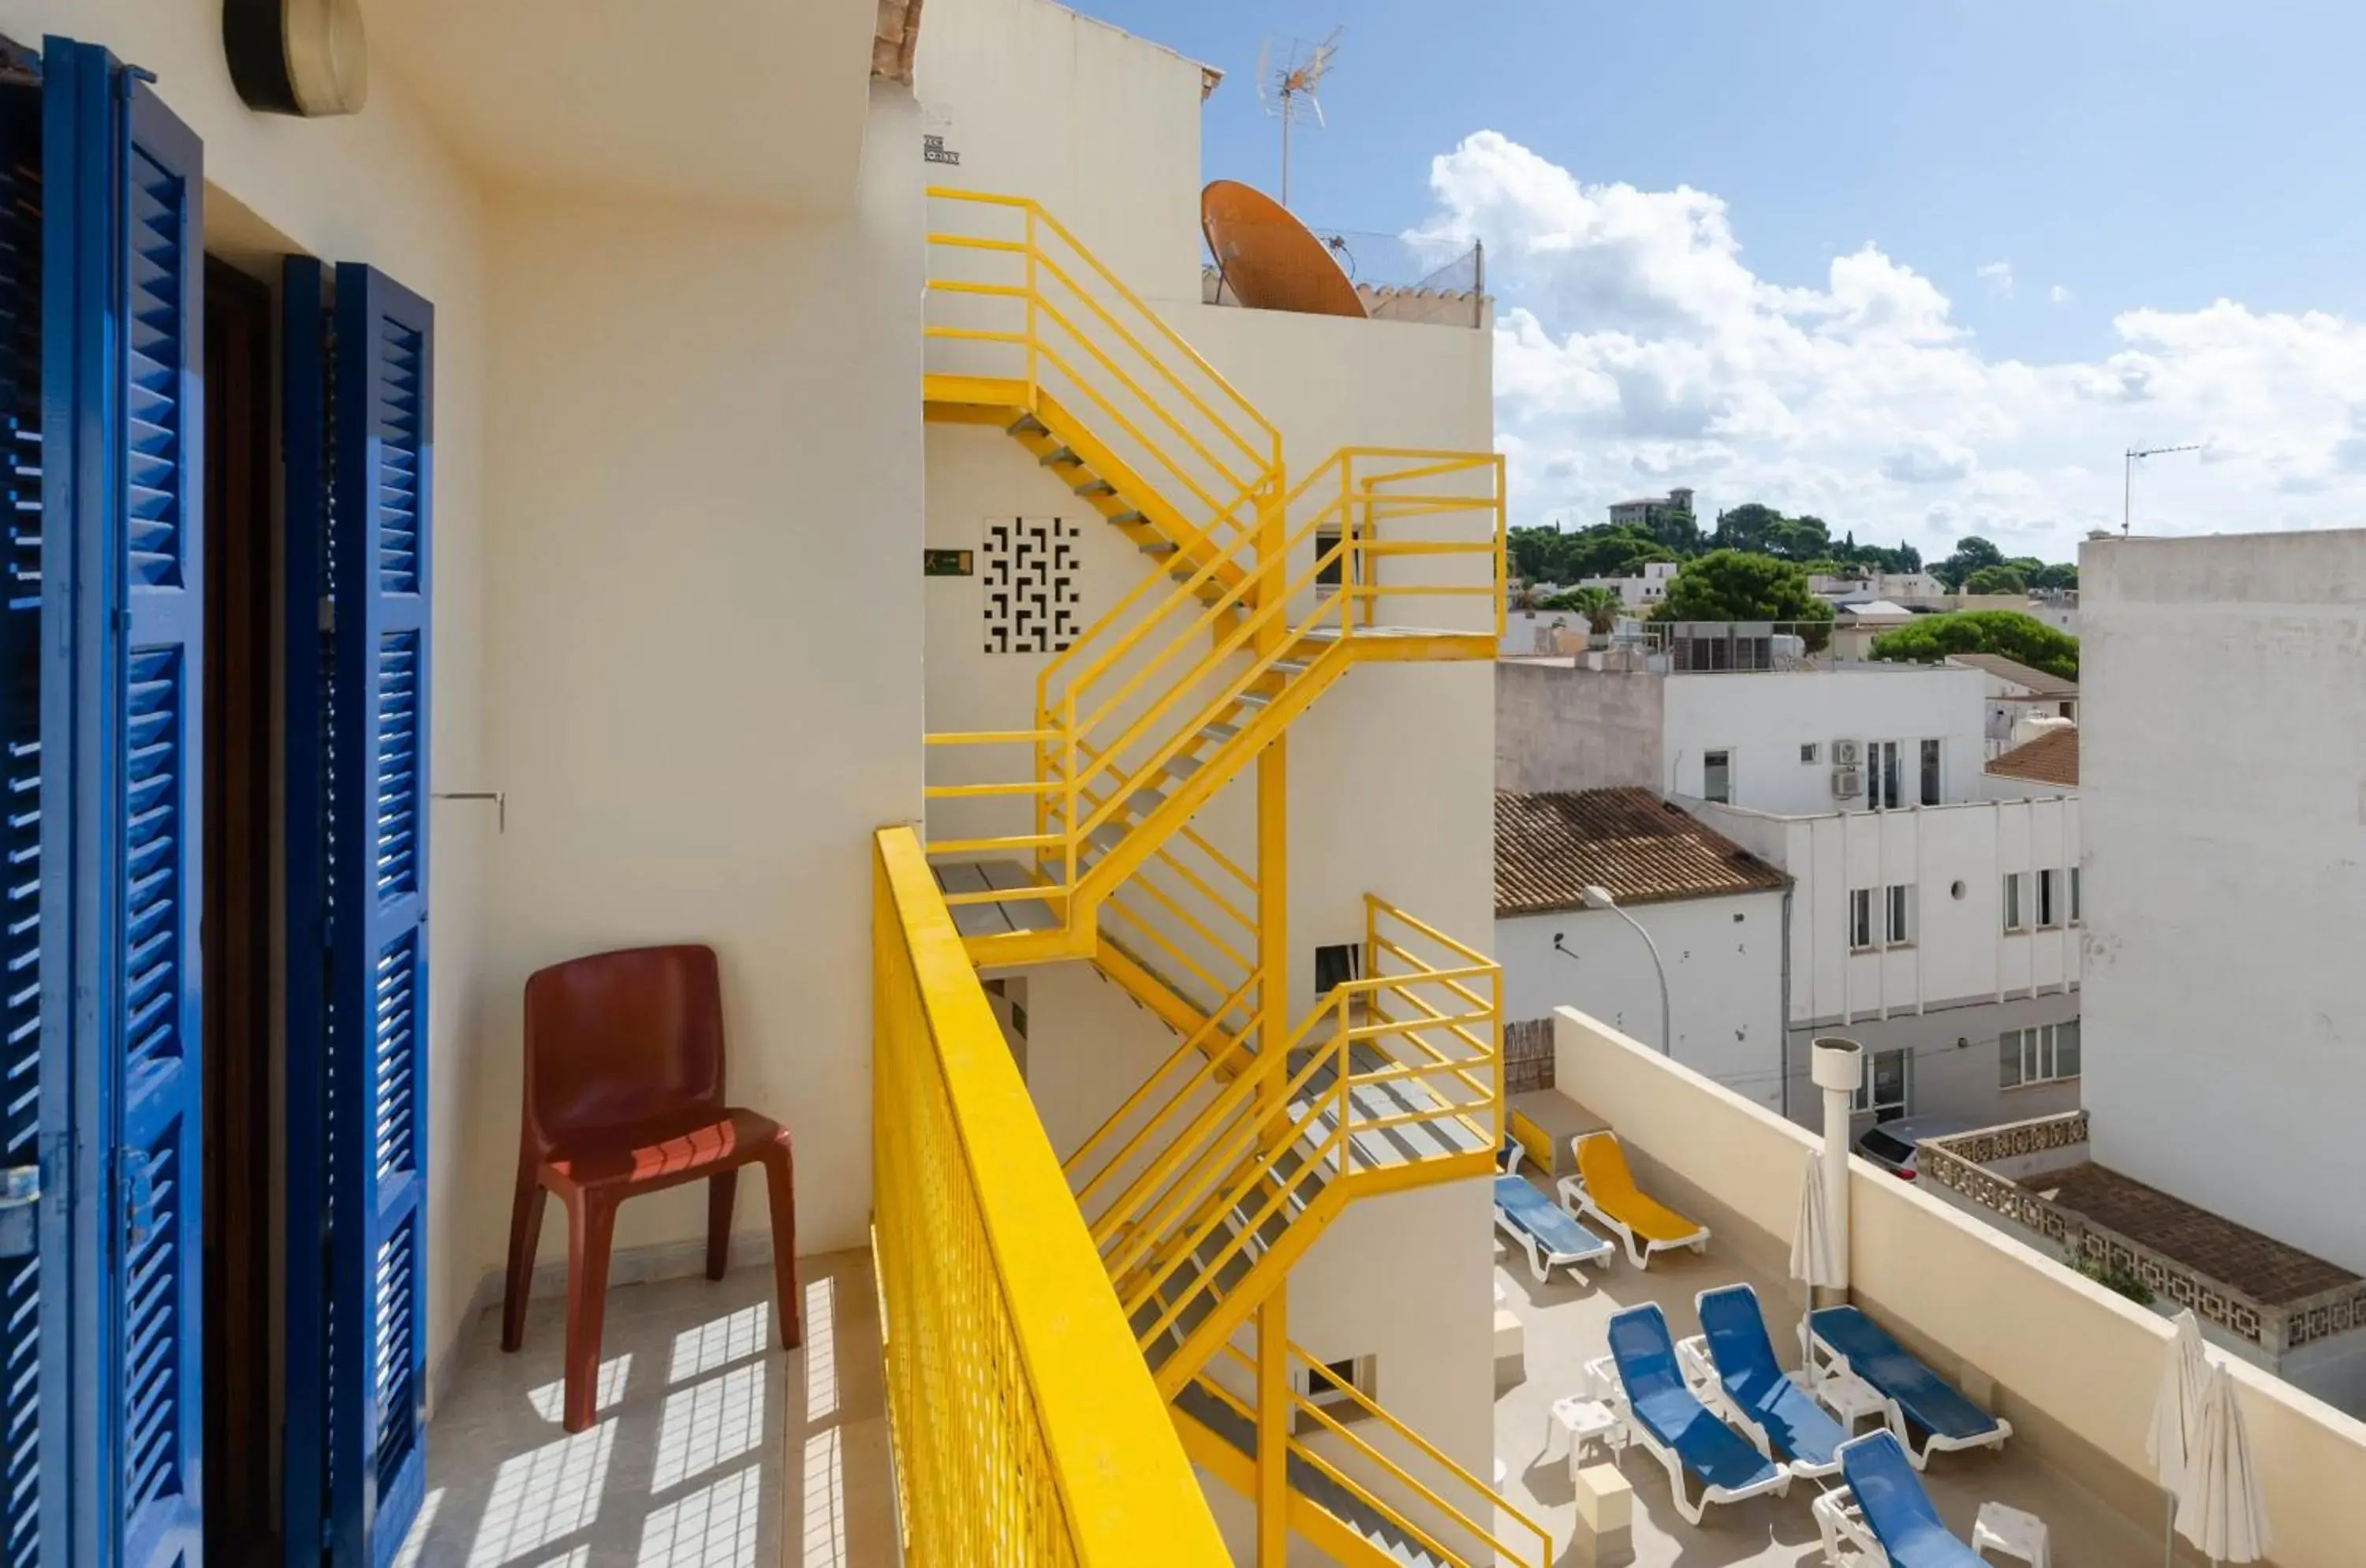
(2012, 1532)
(1587, 1421)
(1849, 1399)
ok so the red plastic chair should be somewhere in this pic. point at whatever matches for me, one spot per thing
(623, 1095)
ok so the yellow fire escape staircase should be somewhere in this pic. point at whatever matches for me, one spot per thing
(1228, 1162)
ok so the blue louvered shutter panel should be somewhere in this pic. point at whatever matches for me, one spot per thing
(382, 428)
(35, 708)
(123, 221)
(151, 964)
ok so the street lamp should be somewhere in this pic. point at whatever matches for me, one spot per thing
(1597, 897)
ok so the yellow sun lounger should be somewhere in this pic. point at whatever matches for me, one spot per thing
(1605, 1188)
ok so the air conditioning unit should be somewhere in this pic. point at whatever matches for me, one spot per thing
(1845, 754)
(1847, 783)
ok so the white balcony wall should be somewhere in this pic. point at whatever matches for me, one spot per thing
(705, 606)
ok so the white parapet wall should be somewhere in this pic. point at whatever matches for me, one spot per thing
(2073, 1366)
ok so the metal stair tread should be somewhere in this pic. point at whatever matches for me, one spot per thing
(992, 920)
(1060, 456)
(1307, 1481)
(1095, 487)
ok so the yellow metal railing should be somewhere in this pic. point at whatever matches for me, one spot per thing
(1033, 307)
(1183, 660)
(1026, 1428)
(1220, 1140)
(1439, 1504)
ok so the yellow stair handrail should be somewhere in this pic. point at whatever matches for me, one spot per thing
(1531, 1546)
(1025, 1423)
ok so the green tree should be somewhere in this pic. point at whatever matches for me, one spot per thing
(1736, 585)
(2023, 639)
(1601, 608)
(1799, 538)
(2057, 576)
(1972, 552)
(1997, 580)
(1745, 527)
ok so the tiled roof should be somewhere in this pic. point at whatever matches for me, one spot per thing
(2052, 757)
(2020, 674)
(2261, 1267)
(1549, 847)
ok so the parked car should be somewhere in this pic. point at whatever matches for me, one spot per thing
(1890, 1144)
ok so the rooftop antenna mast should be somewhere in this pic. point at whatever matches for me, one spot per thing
(1288, 92)
(2128, 476)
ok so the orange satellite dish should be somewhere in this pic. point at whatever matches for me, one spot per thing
(1269, 259)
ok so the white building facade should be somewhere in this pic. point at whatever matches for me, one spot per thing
(2229, 856)
(1934, 910)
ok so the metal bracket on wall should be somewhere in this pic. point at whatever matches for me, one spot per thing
(499, 797)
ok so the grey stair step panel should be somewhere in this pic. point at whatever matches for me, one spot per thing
(1288, 666)
(1145, 800)
(1159, 546)
(1026, 425)
(1095, 487)
(1024, 914)
(971, 920)
(1129, 519)
(1183, 764)
(1220, 733)
(1254, 699)
(1240, 1433)
(1060, 456)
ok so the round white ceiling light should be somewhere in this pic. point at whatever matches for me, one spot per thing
(309, 58)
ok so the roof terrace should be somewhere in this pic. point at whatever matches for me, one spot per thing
(2072, 1366)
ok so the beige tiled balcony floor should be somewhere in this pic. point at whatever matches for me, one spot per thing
(1565, 1326)
(714, 1449)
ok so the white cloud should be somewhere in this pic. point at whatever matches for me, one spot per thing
(2057, 295)
(1998, 276)
(1634, 341)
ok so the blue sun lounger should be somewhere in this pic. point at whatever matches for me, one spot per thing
(1895, 1510)
(1538, 1227)
(1781, 1416)
(1670, 1423)
(1851, 1342)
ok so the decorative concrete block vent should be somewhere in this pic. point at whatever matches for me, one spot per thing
(2297, 1314)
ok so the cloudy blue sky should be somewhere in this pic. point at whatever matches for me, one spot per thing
(1921, 268)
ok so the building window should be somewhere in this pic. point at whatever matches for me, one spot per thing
(1860, 918)
(1327, 1388)
(2049, 899)
(1884, 1091)
(2016, 915)
(1930, 773)
(1887, 785)
(1900, 903)
(2046, 1053)
(1716, 777)
(1809, 752)
(1335, 965)
(2075, 915)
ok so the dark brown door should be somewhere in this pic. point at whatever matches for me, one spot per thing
(242, 1516)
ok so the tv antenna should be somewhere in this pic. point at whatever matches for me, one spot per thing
(1287, 93)
(2128, 475)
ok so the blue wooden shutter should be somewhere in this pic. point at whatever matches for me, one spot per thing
(383, 445)
(35, 708)
(153, 831)
(123, 262)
